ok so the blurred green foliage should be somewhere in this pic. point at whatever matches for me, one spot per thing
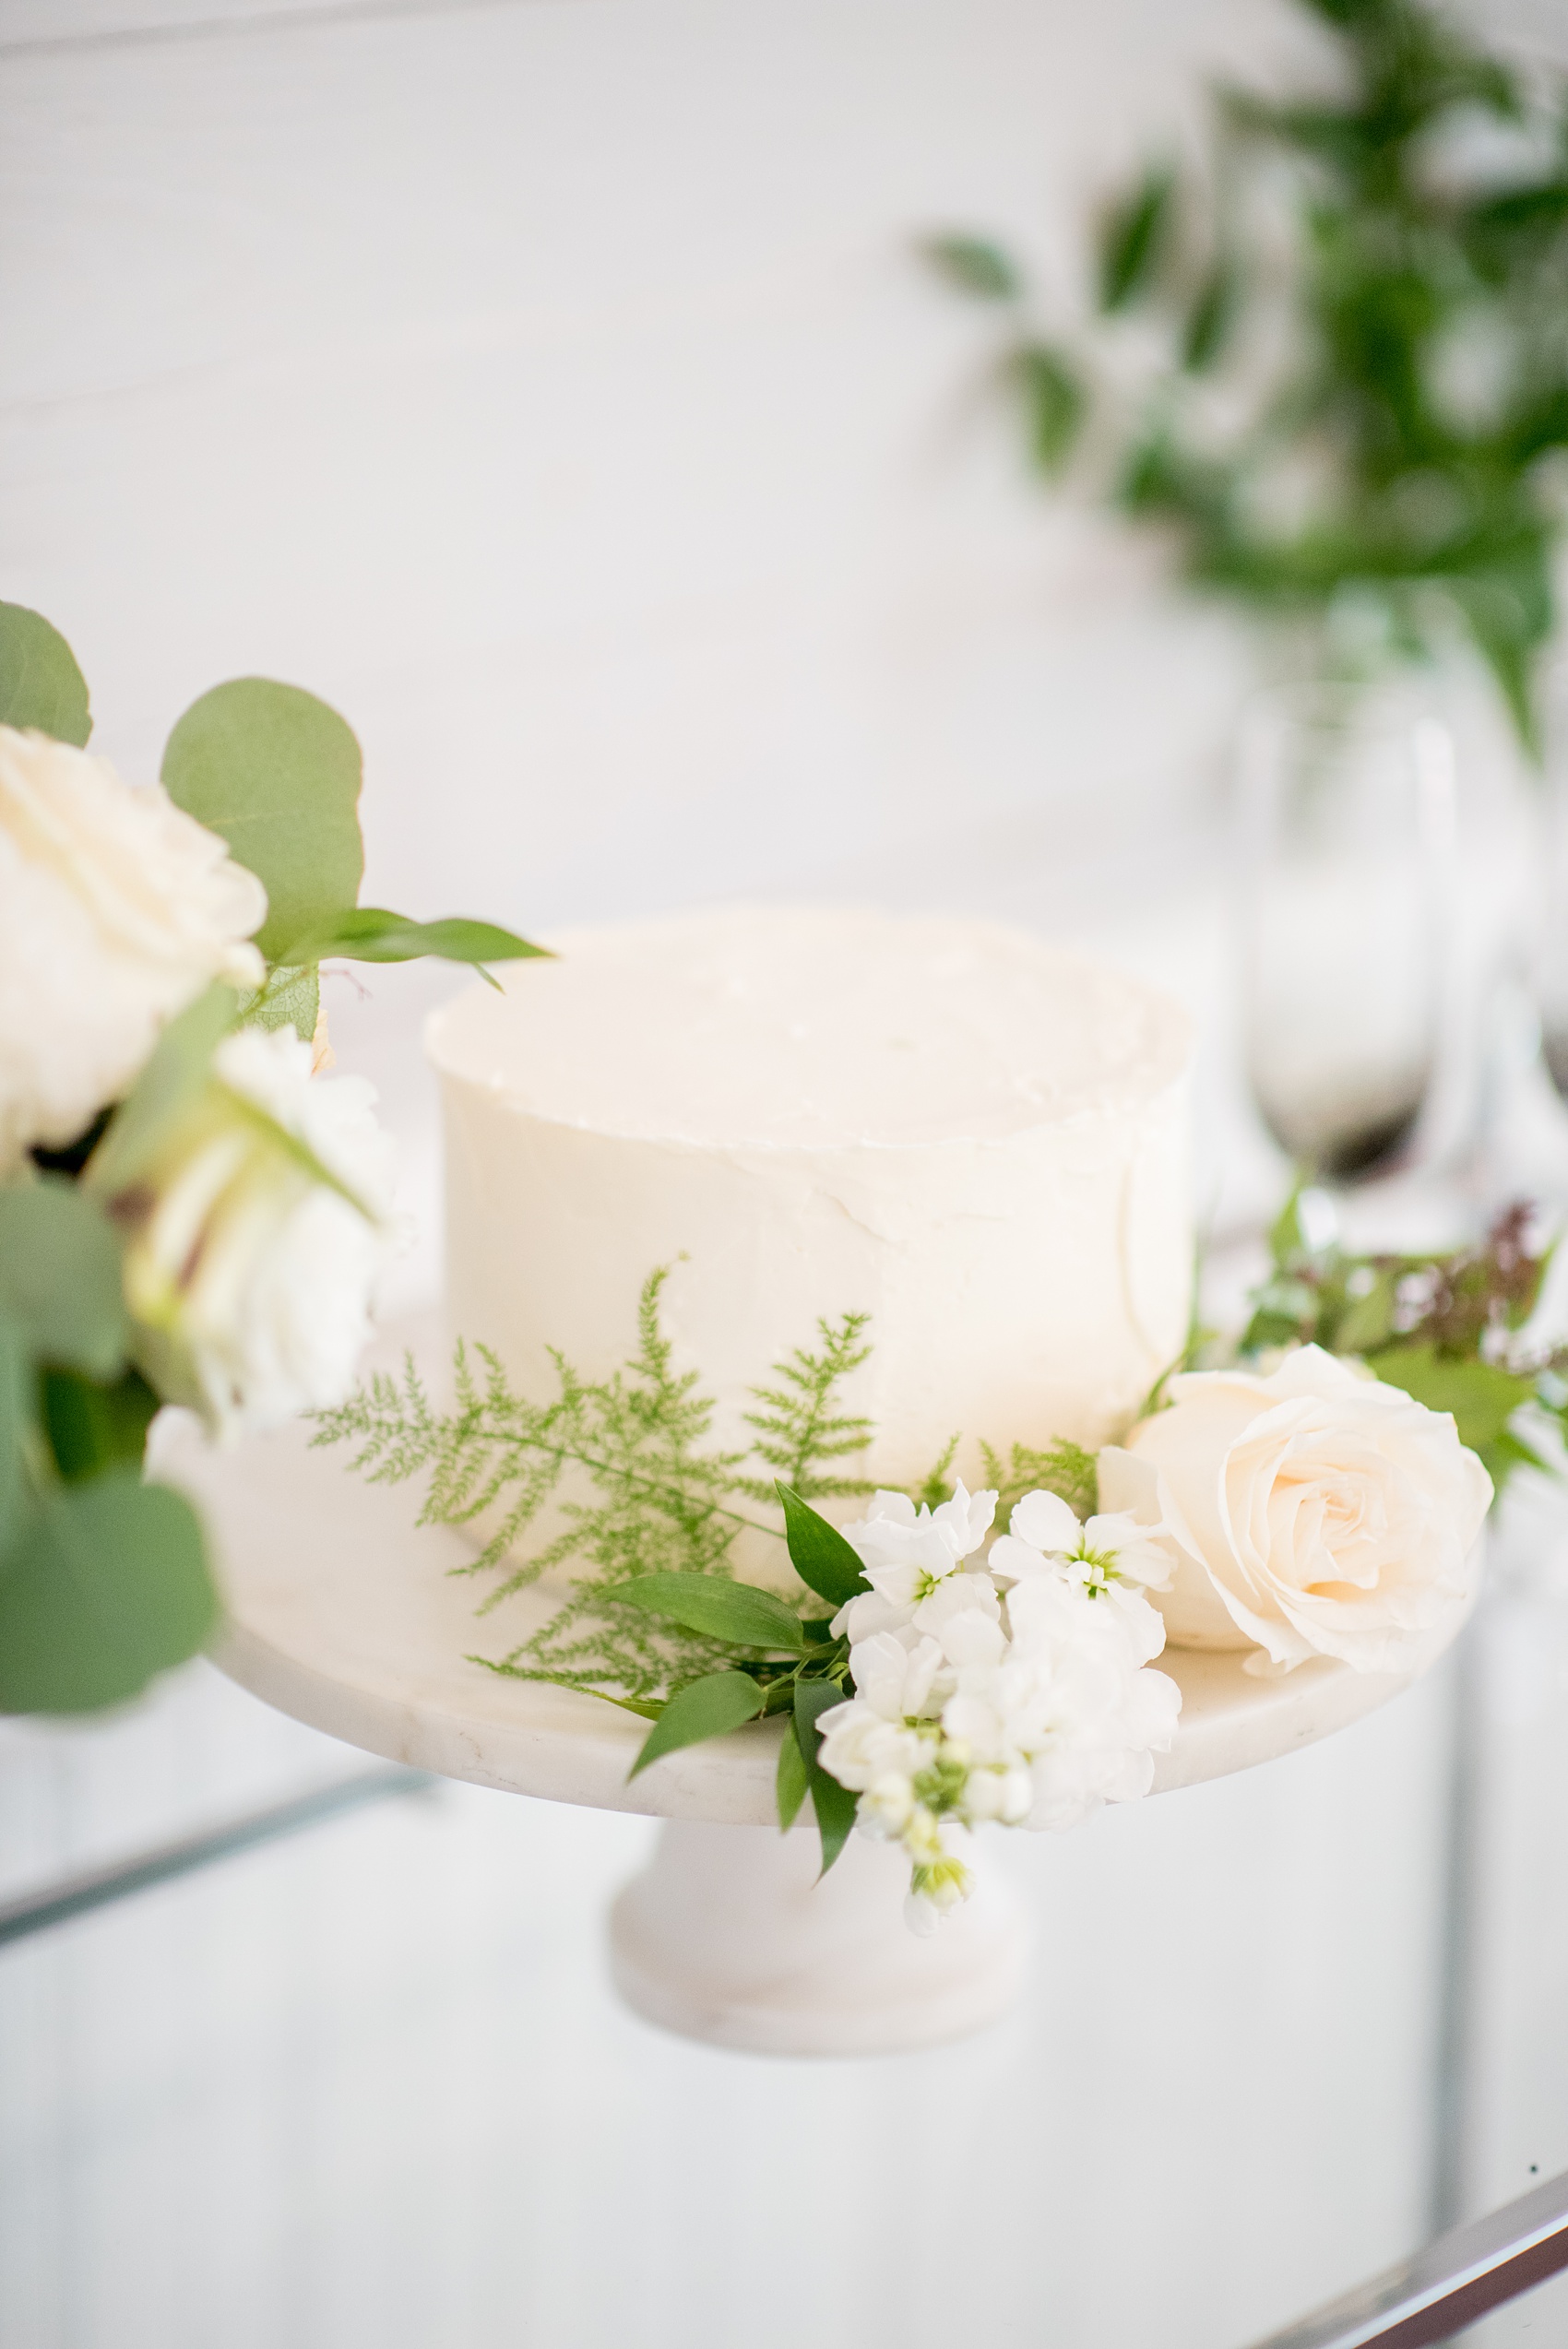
(1450, 1329)
(1331, 356)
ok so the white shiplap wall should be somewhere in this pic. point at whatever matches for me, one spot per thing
(551, 386)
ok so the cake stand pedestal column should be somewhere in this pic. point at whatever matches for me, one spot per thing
(728, 1936)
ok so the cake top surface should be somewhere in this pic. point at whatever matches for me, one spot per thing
(761, 1027)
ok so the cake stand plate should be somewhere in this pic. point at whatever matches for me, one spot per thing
(344, 1614)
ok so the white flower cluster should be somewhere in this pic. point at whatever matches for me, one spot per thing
(1014, 1689)
(115, 911)
(248, 1276)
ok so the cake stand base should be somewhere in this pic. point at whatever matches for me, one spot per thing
(344, 1612)
(728, 1936)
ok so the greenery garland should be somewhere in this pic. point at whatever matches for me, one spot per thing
(656, 1622)
(1354, 412)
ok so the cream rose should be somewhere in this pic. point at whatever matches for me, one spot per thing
(1316, 1512)
(117, 910)
(251, 1280)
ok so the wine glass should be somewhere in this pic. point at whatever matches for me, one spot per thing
(1345, 819)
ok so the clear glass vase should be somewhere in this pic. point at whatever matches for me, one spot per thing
(1345, 823)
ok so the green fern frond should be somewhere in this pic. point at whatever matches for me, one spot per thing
(1063, 1467)
(799, 1427)
(937, 1482)
(638, 1485)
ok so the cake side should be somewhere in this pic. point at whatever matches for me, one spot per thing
(1023, 1283)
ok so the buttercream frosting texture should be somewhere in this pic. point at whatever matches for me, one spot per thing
(978, 1140)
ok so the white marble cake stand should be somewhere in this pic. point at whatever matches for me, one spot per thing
(345, 1615)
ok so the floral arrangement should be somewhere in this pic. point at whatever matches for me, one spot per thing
(1329, 357)
(1280, 1496)
(191, 1210)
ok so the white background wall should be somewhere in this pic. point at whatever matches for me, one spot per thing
(553, 387)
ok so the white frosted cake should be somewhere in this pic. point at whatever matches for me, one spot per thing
(978, 1140)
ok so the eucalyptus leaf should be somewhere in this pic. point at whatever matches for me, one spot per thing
(40, 686)
(104, 1584)
(703, 1709)
(723, 1610)
(372, 934)
(276, 774)
(789, 1786)
(60, 1274)
(16, 1415)
(818, 1551)
(291, 998)
(165, 1092)
(93, 1424)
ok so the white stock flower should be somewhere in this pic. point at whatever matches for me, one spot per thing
(1089, 1715)
(905, 1553)
(250, 1275)
(1030, 1710)
(939, 1881)
(860, 1745)
(1110, 1549)
(1316, 1511)
(117, 910)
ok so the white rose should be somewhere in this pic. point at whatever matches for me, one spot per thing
(1316, 1511)
(252, 1278)
(117, 910)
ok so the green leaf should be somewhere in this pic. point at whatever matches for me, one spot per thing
(818, 1551)
(277, 773)
(834, 1809)
(789, 1786)
(1508, 643)
(1286, 1242)
(723, 1610)
(1369, 1323)
(976, 266)
(1133, 239)
(371, 935)
(93, 1426)
(703, 1709)
(60, 1276)
(291, 998)
(1211, 318)
(166, 1090)
(40, 686)
(15, 1414)
(105, 1585)
(1482, 1396)
(833, 1804)
(1055, 401)
(812, 1698)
